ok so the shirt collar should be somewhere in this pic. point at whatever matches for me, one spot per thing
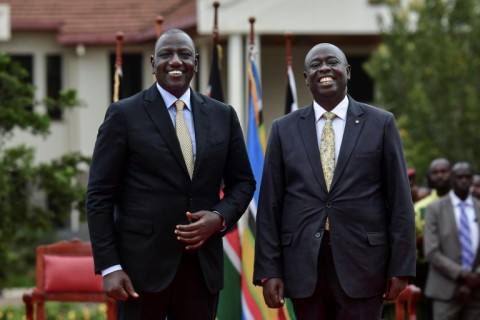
(340, 109)
(170, 99)
(456, 200)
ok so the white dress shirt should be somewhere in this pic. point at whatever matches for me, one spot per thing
(338, 123)
(471, 216)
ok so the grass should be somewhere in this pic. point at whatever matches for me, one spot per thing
(59, 311)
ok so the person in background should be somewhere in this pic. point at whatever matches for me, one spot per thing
(417, 192)
(476, 186)
(451, 247)
(335, 220)
(438, 179)
(155, 215)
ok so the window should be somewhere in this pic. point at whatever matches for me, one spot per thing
(54, 82)
(360, 86)
(132, 80)
(26, 61)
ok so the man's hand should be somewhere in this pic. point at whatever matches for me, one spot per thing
(273, 293)
(394, 286)
(470, 279)
(202, 225)
(117, 285)
(463, 292)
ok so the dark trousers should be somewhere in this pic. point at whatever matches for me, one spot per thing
(187, 297)
(329, 301)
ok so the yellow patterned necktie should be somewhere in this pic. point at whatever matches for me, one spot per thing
(327, 153)
(327, 149)
(184, 138)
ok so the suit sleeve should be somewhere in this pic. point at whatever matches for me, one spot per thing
(103, 187)
(268, 258)
(432, 244)
(239, 183)
(399, 204)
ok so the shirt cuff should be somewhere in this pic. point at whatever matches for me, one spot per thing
(111, 269)
(224, 225)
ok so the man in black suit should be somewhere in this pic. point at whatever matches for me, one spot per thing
(337, 247)
(155, 216)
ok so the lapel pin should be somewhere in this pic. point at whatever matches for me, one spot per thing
(357, 121)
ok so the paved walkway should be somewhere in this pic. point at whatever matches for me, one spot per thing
(11, 297)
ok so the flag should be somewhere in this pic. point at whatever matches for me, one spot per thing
(229, 306)
(253, 305)
(291, 102)
(117, 76)
(214, 89)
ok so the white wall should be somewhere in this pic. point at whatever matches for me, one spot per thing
(299, 16)
(88, 74)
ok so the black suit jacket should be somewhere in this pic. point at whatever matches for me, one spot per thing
(369, 205)
(139, 188)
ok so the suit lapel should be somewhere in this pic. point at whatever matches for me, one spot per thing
(353, 127)
(450, 221)
(158, 113)
(308, 132)
(476, 207)
(200, 120)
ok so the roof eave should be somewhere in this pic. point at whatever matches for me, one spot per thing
(129, 37)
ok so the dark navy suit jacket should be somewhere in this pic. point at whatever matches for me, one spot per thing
(139, 188)
(369, 205)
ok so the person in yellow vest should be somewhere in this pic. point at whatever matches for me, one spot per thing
(438, 177)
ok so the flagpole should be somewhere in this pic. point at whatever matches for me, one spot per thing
(252, 34)
(118, 61)
(118, 67)
(291, 103)
(288, 45)
(215, 21)
(159, 26)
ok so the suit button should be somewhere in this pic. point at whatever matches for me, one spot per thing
(328, 204)
(317, 234)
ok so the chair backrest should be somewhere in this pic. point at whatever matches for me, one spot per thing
(407, 301)
(67, 266)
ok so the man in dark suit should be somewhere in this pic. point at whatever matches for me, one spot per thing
(156, 227)
(451, 246)
(336, 247)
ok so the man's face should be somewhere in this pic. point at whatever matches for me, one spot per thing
(476, 189)
(174, 62)
(462, 180)
(440, 175)
(326, 74)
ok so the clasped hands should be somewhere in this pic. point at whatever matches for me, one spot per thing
(201, 227)
(117, 285)
(469, 281)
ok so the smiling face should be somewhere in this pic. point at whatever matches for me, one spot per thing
(174, 62)
(326, 74)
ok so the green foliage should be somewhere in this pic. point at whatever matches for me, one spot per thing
(24, 224)
(427, 72)
(17, 100)
(59, 311)
(59, 180)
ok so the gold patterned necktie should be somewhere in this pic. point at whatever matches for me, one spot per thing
(327, 149)
(184, 138)
(327, 153)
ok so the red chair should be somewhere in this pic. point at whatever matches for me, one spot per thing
(65, 272)
(407, 301)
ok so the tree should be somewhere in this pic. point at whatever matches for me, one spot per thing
(427, 72)
(24, 225)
